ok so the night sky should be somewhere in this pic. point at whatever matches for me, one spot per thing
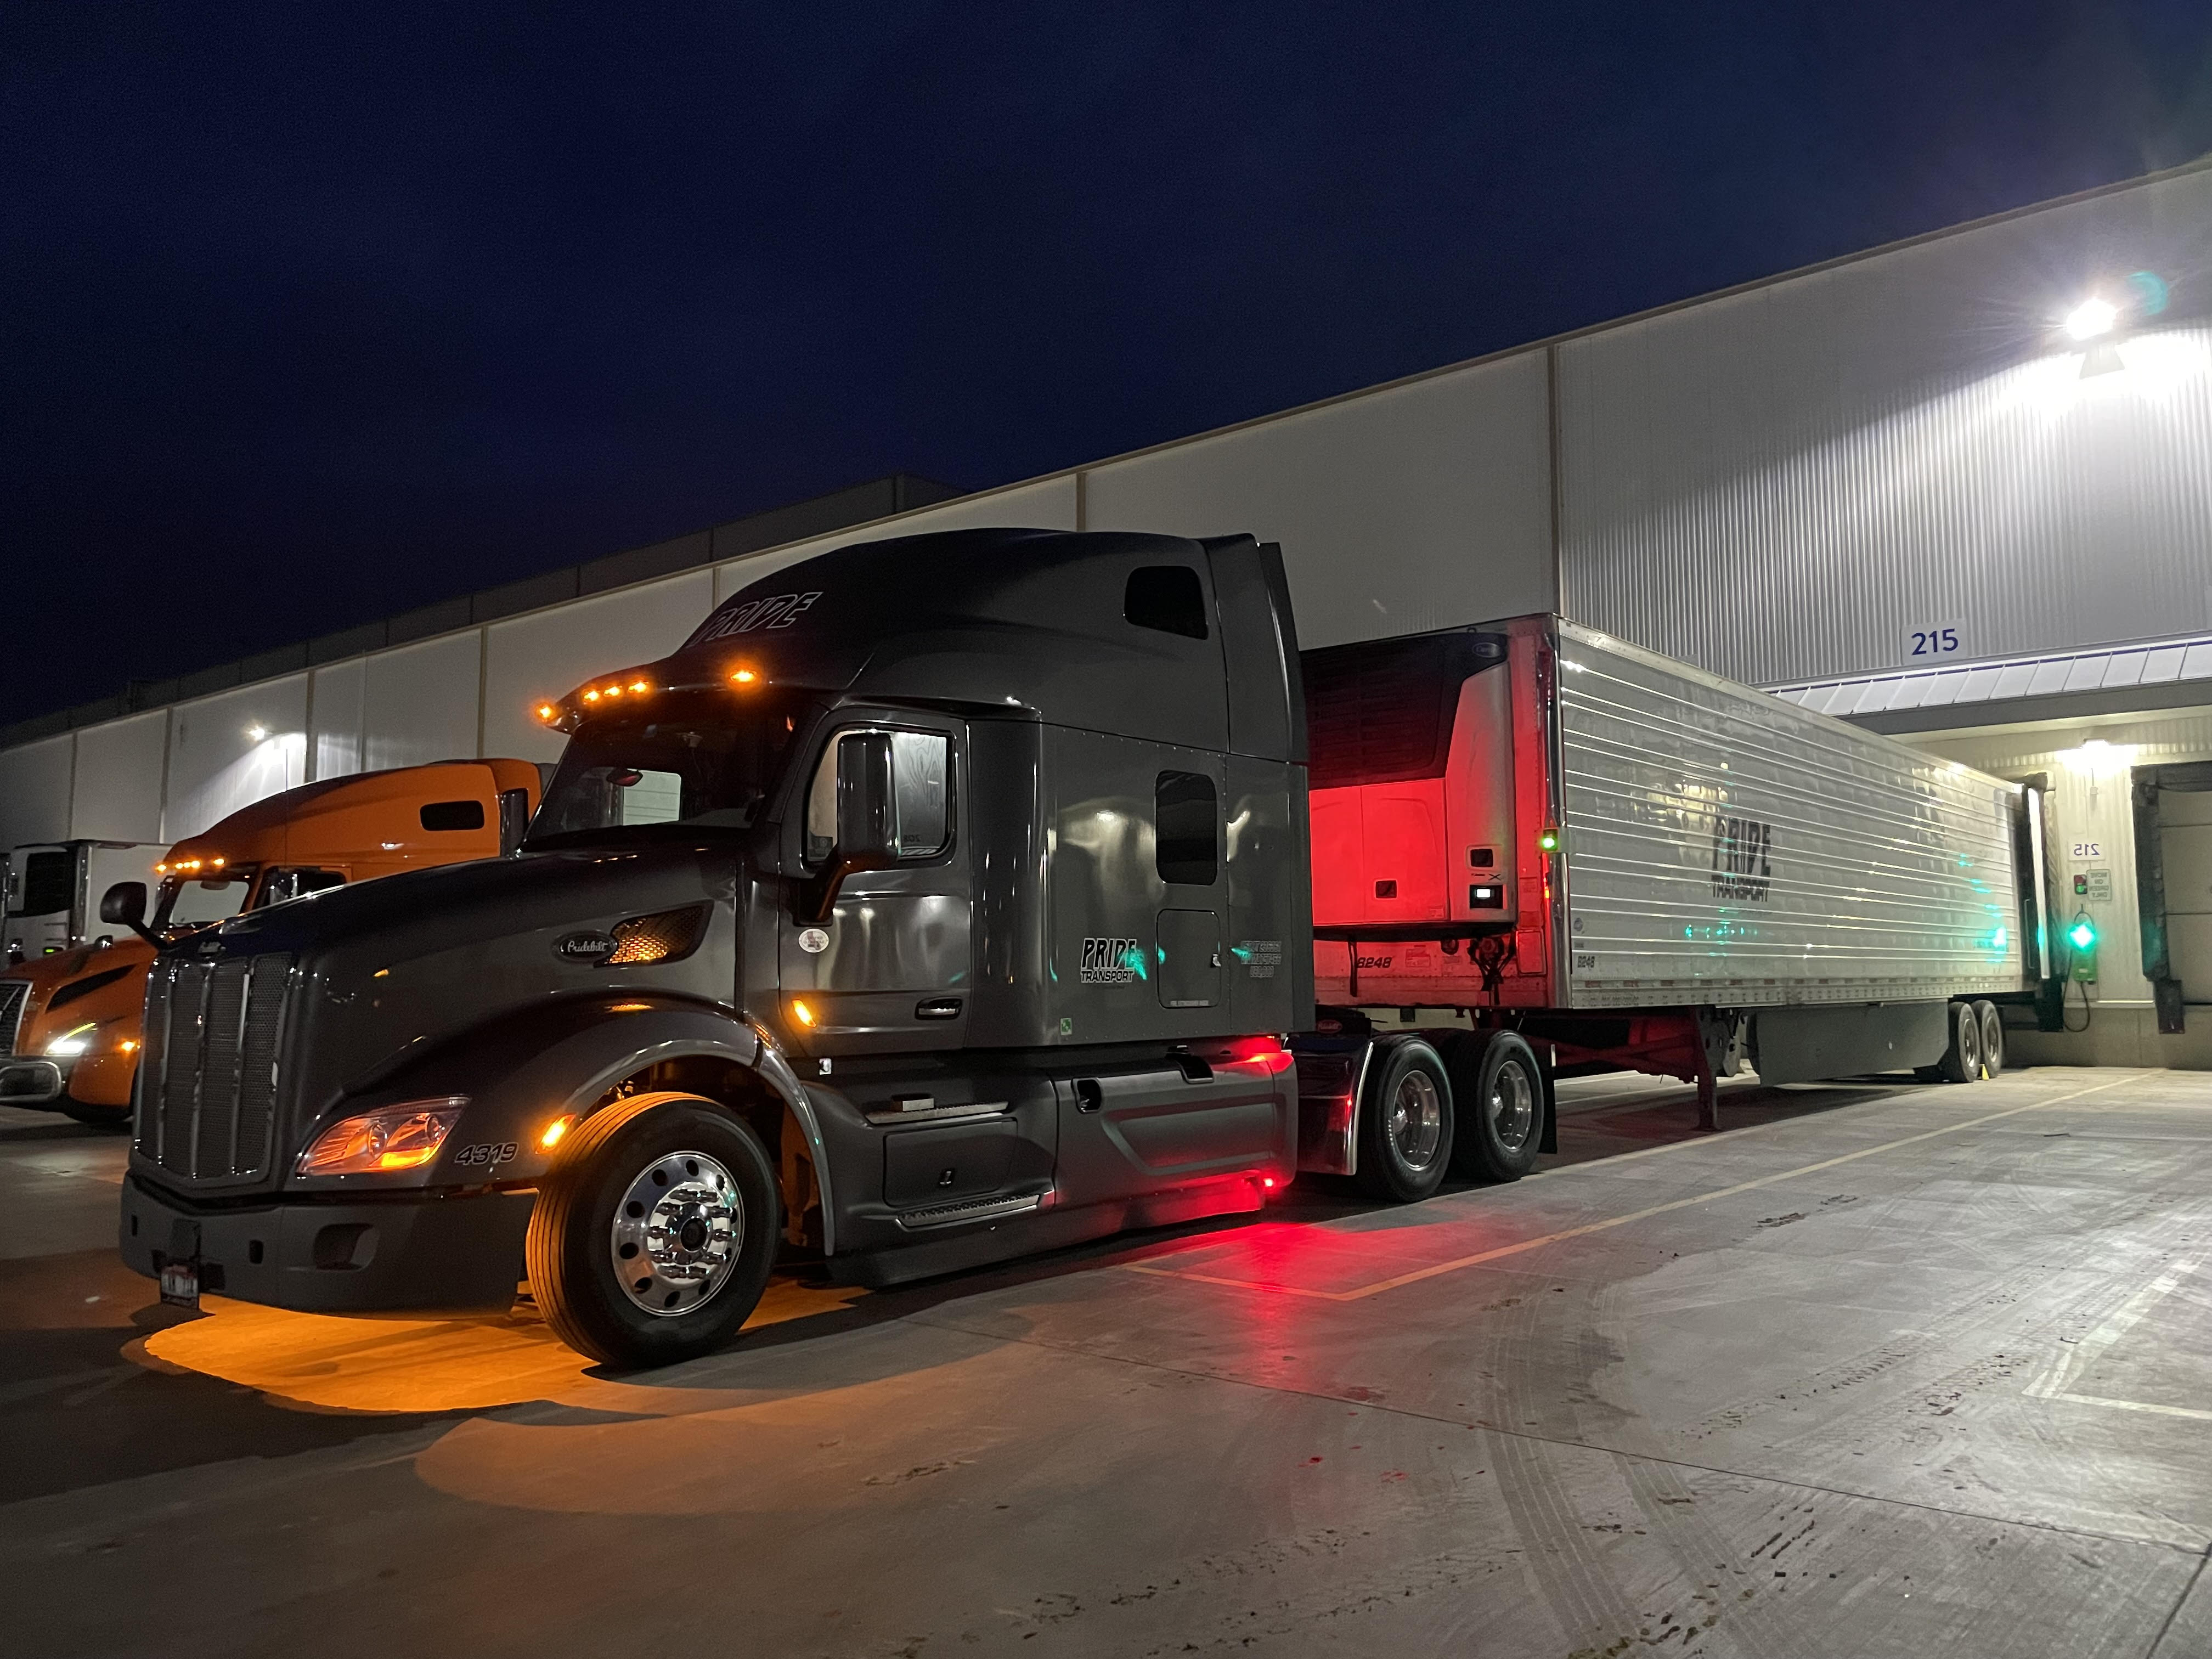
(314, 314)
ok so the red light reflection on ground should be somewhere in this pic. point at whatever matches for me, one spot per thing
(1303, 1258)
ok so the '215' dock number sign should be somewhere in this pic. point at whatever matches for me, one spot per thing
(1934, 642)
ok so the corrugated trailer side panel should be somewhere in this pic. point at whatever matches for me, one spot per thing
(1724, 846)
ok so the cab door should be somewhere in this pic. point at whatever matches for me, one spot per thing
(890, 968)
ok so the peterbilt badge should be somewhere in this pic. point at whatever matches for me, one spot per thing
(590, 947)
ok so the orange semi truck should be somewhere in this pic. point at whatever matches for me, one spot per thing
(69, 1022)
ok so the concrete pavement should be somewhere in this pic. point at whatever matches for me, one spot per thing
(1885, 1369)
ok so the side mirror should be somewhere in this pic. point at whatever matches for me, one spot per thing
(126, 903)
(867, 821)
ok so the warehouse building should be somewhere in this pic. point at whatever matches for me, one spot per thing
(1958, 489)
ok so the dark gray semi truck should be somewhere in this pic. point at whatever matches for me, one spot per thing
(940, 899)
(954, 896)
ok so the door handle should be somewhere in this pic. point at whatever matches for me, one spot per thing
(1088, 1096)
(937, 1008)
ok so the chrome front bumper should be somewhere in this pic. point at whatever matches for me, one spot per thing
(31, 1083)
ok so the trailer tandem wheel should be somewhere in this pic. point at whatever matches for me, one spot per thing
(1406, 1124)
(653, 1240)
(1993, 1040)
(1962, 1060)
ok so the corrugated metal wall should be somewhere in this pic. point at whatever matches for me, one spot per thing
(1777, 484)
(1797, 480)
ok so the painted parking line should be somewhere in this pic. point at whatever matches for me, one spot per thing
(2076, 1359)
(1521, 1246)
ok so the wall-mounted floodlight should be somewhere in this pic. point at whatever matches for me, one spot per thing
(255, 733)
(2091, 318)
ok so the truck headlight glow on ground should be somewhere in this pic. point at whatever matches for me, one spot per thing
(401, 1137)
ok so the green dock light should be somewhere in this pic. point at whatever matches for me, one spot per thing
(1549, 840)
(2082, 936)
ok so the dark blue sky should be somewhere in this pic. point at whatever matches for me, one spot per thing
(313, 313)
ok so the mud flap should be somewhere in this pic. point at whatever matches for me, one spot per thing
(1549, 1141)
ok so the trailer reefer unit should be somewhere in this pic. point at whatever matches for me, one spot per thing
(948, 897)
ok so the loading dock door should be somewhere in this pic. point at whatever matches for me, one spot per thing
(2185, 830)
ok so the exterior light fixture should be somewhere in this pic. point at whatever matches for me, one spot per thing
(256, 732)
(2093, 316)
(548, 713)
(745, 677)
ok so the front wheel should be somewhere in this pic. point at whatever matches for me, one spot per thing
(1406, 1125)
(653, 1240)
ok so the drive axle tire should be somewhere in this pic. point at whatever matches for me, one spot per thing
(1498, 1088)
(653, 1240)
(1992, 1024)
(1406, 1124)
(1962, 1060)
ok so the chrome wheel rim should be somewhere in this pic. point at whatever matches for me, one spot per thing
(1416, 1120)
(1512, 1106)
(677, 1234)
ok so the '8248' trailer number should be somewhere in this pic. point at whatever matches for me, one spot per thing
(1582, 961)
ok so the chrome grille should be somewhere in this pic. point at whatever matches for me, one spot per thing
(14, 994)
(207, 1077)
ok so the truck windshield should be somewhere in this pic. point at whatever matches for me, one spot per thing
(703, 768)
(189, 905)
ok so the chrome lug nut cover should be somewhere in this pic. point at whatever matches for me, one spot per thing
(677, 1233)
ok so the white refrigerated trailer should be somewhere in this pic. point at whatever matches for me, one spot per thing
(1629, 861)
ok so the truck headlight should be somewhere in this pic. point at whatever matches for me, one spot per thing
(401, 1137)
(70, 1043)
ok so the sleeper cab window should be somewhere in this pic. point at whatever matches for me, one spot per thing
(452, 815)
(1168, 599)
(1187, 817)
(921, 799)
